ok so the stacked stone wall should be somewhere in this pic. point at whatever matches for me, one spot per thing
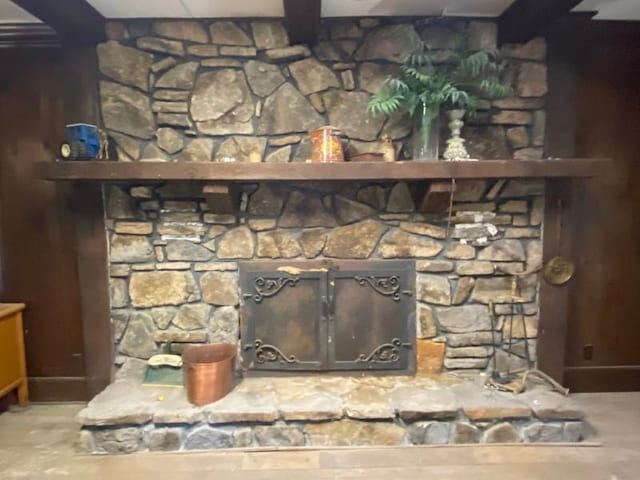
(174, 264)
(216, 90)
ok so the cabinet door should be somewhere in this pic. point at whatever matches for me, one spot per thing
(284, 317)
(372, 316)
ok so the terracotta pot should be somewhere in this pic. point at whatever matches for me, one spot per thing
(326, 145)
(208, 372)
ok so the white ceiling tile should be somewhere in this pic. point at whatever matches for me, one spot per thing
(235, 8)
(612, 9)
(347, 8)
(11, 13)
(140, 8)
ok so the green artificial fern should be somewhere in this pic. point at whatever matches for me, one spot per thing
(424, 86)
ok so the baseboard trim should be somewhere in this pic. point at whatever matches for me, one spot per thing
(57, 389)
(619, 378)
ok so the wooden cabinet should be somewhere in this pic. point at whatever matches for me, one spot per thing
(13, 371)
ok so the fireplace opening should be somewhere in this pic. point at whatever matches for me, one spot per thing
(328, 316)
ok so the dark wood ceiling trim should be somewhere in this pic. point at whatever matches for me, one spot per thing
(525, 19)
(28, 35)
(302, 19)
(76, 22)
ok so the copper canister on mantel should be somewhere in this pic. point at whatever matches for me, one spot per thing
(326, 146)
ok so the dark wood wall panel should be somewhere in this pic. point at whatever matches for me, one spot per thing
(37, 226)
(604, 311)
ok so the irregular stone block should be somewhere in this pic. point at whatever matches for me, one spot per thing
(542, 432)
(413, 403)
(348, 112)
(169, 140)
(241, 149)
(180, 77)
(535, 49)
(164, 439)
(400, 199)
(464, 319)
(512, 117)
(466, 363)
(269, 34)
(501, 433)
(433, 289)
(425, 229)
(137, 340)
(161, 45)
(220, 288)
(393, 43)
(130, 249)
(125, 65)
(486, 142)
(279, 436)
(151, 289)
(473, 338)
(429, 433)
(162, 65)
(285, 54)
(479, 405)
(117, 440)
(372, 75)
(354, 433)
(367, 402)
(464, 433)
(313, 242)
(400, 244)
(162, 316)
(278, 244)
(348, 211)
(206, 438)
(462, 290)
(221, 62)
(287, 111)
(532, 80)
(312, 76)
(518, 137)
(573, 431)
(118, 293)
(179, 336)
(238, 51)
(228, 33)
(336, 50)
(221, 103)
(236, 243)
(263, 78)
(504, 250)
(460, 251)
(354, 241)
(243, 407)
(225, 325)
(483, 35)
(310, 405)
(305, 211)
(426, 324)
(192, 316)
(184, 250)
(126, 110)
(203, 50)
(548, 405)
(434, 266)
(282, 155)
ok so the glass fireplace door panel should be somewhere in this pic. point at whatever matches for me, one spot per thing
(286, 329)
(372, 313)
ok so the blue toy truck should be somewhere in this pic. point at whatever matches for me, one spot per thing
(84, 142)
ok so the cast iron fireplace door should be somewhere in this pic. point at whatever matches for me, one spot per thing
(328, 315)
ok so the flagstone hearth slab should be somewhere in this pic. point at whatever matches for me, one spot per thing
(323, 411)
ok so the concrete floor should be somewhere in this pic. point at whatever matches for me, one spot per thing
(38, 444)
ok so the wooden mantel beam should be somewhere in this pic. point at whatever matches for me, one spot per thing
(76, 21)
(525, 19)
(302, 20)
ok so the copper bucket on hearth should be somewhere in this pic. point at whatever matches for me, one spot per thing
(326, 146)
(208, 372)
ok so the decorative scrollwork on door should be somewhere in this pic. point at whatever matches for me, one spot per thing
(387, 286)
(268, 287)
(268, 353)
(385, 353)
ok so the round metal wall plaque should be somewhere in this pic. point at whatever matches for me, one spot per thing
(558, 271)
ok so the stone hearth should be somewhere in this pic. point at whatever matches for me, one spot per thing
(323, 411)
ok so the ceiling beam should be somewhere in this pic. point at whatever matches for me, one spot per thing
(525, 19)
(77, 22)
(32, 35)
(302, 20)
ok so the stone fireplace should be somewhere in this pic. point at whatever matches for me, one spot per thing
(350, 278)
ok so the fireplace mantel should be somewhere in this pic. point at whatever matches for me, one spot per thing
(106, 171)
